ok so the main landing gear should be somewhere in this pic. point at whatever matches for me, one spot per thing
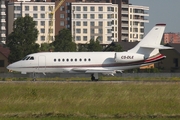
(94, 77)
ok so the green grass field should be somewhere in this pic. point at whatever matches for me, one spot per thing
(79, 101)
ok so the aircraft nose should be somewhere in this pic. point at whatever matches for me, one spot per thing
(13, 66)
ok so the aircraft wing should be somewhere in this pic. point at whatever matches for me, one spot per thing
(108, 72)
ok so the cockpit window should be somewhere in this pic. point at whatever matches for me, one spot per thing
(27, 58)
(32, 58)
(24, 58)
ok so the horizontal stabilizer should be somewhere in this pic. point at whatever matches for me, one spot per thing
(157, 47)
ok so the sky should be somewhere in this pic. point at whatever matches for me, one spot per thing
(161, 11)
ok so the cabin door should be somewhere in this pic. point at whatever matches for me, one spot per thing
(42, 63)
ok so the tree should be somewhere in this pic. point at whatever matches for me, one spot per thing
(63, 41)
(46, 47)
(21, 41)
(94, 45)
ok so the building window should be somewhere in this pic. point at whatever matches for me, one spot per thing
(175, 61)
(92, 16)
(1, 63)
(35, 8)
(78, 38)
(109, 16)
(78, 8)
(84, 8)
(42, 30)
(26, 8)
(78, 15)
(100, 8)
(50, 15)
(84, 23)
(17, 8)
(42, 23)
(100, 16)
(100, 23)
(92, 31)
(100, 31)
(109, 38)
(109, 30)
(78, 30)
(61, 23)
(78, 23)
(92, 23)
(84, 30)
(42, 38)
(84, 38)
(50, 30)
(109, 23)
(62, 8)
(92, 9)
(108, 8)
(42, 15)
(84, 15)
(35, 16)
(42, 8)
(17, 15)
(61, 15)
(50, 23)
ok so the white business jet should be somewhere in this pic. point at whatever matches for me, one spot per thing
(144, 53)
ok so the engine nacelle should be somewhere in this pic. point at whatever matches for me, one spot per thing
(125, 57)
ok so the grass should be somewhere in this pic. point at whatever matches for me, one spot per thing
(89, 101)
(108, 78)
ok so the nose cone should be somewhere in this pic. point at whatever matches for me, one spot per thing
(14, 66)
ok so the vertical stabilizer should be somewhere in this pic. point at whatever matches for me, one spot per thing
(150, 44)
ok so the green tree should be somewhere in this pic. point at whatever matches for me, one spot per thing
(21, 41)
(63, 41)
(46, 47)
(94, 45)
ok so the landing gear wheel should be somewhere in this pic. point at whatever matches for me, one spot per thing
(94, 77)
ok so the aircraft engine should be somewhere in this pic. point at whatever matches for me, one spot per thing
(125, 57)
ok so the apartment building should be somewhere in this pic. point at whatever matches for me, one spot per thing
(94, 21)
(3, 21)
(137, 18)
(40, 13)
(66, 17)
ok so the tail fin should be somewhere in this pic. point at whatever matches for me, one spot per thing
(150, 44)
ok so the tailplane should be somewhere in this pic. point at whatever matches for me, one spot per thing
(150, 44)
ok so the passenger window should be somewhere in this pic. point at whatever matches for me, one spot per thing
(54, 60)
(63, 60)
(32, 58)
(59, 60)
(89, 59)
(80, 59)
(75, 59)
(71, 60)
(85, 59)
(67, 60)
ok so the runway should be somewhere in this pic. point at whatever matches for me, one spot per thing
(99, 81)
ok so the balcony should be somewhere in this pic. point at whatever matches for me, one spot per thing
(3, 28)
(3, 6)
(3, 20)
(3, 35)
(125, 6)
(2, 13)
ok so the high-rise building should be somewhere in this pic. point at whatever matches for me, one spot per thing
(137, 19)
(40, 13)
(94, 21)
(3, 21)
